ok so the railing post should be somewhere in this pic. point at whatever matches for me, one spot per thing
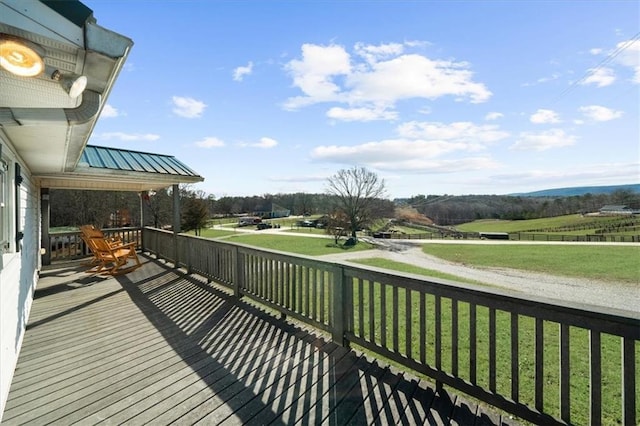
(339, 309)
(238, 272)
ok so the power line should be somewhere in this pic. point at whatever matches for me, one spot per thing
(600, 65)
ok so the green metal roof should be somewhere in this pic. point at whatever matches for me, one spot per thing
(133, 161)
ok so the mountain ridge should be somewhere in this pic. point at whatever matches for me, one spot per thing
(580, 190)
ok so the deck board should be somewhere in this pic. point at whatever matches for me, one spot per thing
(157, 346)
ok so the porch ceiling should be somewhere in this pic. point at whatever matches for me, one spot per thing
(48, 129)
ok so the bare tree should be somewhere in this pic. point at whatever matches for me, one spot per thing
(356, 191)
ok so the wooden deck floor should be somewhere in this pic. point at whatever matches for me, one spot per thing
(157, 346)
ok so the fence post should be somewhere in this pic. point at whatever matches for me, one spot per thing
(339, 309)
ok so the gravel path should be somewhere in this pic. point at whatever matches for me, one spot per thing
(618, 295)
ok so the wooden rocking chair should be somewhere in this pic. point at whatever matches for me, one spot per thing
(116, 255)
(87, 233)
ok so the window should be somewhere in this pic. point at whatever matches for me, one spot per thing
(6, 204)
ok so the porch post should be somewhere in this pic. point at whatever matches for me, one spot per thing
(45, 214)
(144, 199)
(176, 221)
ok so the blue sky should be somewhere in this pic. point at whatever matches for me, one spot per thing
(436, 97)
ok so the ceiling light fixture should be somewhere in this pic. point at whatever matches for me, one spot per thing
(20, 57)
(74, 85)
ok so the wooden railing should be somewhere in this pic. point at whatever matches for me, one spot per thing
(69, 245)
(548, 362)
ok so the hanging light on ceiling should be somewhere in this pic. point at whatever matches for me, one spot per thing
(20, 57)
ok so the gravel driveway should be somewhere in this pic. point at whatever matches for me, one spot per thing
(618, 295)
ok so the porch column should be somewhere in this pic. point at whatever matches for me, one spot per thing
(45, 214)
(176, 221)
(144, 201)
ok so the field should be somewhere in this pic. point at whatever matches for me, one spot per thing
(603, 262)
(570, 225)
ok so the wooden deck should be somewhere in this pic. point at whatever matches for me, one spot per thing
(157, 346)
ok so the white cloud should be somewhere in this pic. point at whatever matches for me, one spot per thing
(377, 77)
(373, 54)
(264, 143)
(240, 72)
(600, 113)
(544, 116)
(629, 56)
(458, 131)
(542, 141)
(402, 155)
(313, 74)
(128, 137)
(188, 107)
(595, 51)
(109, 112)
(210, 142)
(601, 77)
(361, 114)
(493, 116)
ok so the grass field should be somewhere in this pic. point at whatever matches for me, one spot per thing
(308, 246)
(603, 262)
(549, 223)
(579, 344)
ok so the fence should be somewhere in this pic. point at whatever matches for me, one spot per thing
(545, 361)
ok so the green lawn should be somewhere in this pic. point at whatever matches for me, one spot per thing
(488, 225)
(604, 262)
(579, 347)
(308, 246)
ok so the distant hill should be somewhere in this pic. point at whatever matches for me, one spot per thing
(580, 190)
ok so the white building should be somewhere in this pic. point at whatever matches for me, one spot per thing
(57, 68)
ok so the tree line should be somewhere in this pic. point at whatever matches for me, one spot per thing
(452, 210)
(117, 209)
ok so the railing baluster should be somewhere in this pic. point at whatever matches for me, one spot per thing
(472, 343)
(313, 282)
(372, 317)
(539, 362)
(492, 350)
(407, 337)
(360, 308)
(308, 290)
(628, 382)
(438, 331)
(395, 318)
(322, 288)
(454, 337)
(565, 373)
(383, 315)
(515, 358)
(595, 379)
(423, 328)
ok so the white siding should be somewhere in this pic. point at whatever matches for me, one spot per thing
(18, 273)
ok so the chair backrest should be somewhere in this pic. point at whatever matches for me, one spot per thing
(91, 231)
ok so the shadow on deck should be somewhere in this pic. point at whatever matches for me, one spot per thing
(158, 346)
